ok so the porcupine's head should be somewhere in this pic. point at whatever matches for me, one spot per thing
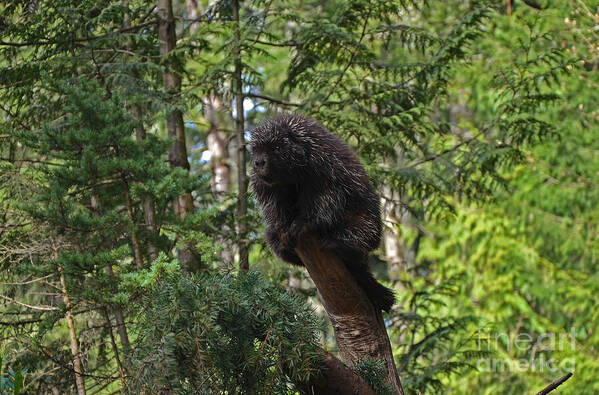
(279, 149)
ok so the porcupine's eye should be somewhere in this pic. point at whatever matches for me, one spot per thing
(278, 145)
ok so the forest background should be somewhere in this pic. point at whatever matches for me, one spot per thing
(127, 227)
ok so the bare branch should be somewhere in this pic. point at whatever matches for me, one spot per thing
(39, 308)
(555, 384)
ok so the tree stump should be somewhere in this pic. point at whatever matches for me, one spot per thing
(359, 328)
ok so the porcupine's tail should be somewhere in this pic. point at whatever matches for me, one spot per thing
(381, 296)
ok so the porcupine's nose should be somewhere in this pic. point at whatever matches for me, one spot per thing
(260, 163)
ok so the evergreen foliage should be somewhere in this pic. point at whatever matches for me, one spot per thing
(437, 344)
(374, 372)
(221, 334)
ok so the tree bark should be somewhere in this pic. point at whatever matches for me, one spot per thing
(216, 143)
(359, 328)
(217, 146)
(242, 178)
(171, 81)
(192, 13)
(394, 250)
(216, 139)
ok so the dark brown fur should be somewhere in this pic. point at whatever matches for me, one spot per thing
(306, 179)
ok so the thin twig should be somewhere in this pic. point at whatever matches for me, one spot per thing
(272, 99)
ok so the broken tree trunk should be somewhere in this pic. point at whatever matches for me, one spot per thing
(359, 328)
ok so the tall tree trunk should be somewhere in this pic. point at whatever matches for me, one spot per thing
(217, 145)
(183, 204)
(391, 237)
(242, 178)
(193, 9)
(77, 364)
